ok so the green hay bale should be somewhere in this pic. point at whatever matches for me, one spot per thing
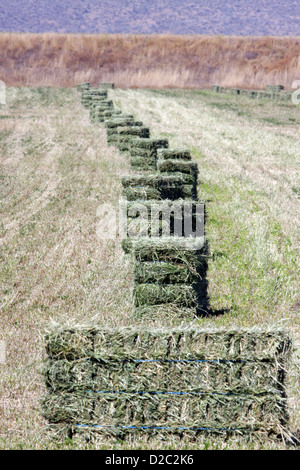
(116, 113)
(155, 180)
(158, 249)
(142, 132)
(149, 144)
(142, 163)
(121, 120)
(106, 85)
(233, 91)
(195, 379)
(192, 411)
(193, 376)
(124, 135)
(171, 249)
(173, 154)
(154, 294)
(177, 166)
(100, 343)
(165, 187)
(143, 153)
(104, 115)
(142, 228)
(162, 272)
(101, 106)
(133, 194)
(96, 92)
(180, 218)
(274, 88)
(83, 86)
(90, 94)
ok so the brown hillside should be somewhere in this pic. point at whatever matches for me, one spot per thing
(154, 61)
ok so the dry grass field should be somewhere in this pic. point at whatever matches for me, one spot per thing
(148, 61)
(56, 169)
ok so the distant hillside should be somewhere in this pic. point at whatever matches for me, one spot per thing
(155, 61)
(227, 17)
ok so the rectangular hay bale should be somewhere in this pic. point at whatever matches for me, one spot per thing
(126, 381)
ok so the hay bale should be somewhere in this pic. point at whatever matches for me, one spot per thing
(158, 381)
(89, 96)
(140, 194)
(107, 85)
(139, 131)
(145, 148)
(122, 136)
(160, 218)
(143, 163)
(182, 295)
(274, 88)
(173, 154)
(98, 107)
(186, 169)
(143, 186)
(177, 166)
(171, 274)
(123, 120)
(98, 342)
(187, 251)
(149, 144)
(162, 272)
(103, 115)
(83, 86)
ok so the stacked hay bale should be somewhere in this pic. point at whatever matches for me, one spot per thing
(125, 134)
(89, 96)
(274, 88)
(178, 162)
(169, 272)
(143, 153)
(125, 382)
(114, 125)
(274, 92)
(233, 91)
(152, 186)
(83, 86)
(160, 217)
(106, 85)
(182, 381)
(98, 107)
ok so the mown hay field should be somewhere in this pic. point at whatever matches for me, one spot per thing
(56, 170)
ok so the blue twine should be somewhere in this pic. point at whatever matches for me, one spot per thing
(140, 392)
(182, 428)
(233, 361)
(187, 360)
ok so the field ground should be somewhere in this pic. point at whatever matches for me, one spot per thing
(56, 169)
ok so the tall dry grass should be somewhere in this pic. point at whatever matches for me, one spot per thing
(148, 61)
